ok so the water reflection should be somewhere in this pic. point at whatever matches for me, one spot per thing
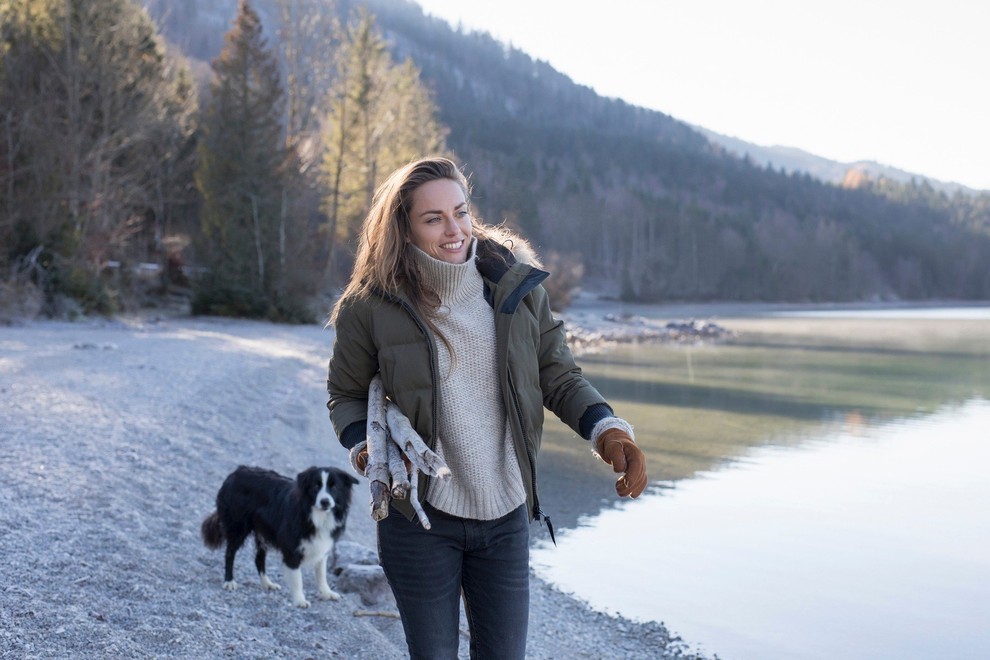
(867, 542)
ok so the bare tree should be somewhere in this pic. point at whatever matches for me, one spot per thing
(379, 117)
(88, 99)
(307, 42)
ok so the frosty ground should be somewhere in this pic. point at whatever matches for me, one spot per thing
(114, 437)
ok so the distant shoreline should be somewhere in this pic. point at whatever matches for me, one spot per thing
(595, 323)
(590, 302)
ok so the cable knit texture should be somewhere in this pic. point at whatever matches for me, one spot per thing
(474, 437)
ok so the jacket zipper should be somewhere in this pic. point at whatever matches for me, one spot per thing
(537, 511)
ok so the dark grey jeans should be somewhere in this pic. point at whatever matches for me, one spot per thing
(428, 570)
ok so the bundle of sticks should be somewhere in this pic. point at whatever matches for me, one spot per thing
(396, 456)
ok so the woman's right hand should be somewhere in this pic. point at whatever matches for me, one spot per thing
(359, 458)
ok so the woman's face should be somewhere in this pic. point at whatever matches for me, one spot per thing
(440, 222)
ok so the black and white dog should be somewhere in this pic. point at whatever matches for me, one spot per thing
(301, 519)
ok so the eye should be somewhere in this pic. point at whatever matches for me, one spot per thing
(464, 213)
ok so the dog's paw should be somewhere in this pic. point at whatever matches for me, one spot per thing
(329, 594)
(268, 584)
(301, 603)
(230, 586)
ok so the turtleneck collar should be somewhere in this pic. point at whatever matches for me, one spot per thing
(452, 282)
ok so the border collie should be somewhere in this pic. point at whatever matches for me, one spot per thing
(301, 519)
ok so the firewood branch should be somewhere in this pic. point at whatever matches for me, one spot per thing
(404, 435)
(396, 456)
(376, 436)
(398, 472)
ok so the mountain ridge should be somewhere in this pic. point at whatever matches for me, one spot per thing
(794, 159)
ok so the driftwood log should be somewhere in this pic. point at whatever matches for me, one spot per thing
(396, 456)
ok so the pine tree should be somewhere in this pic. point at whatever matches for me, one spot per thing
(243, 177)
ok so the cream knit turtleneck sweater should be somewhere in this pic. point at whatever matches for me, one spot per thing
(473, 436)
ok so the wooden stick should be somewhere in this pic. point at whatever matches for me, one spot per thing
(386, 613)
(424, 520)
(404, 435)
(421, 458)
(398, 471)
(391, 439)
(376, 436)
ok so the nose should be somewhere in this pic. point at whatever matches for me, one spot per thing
(451, 226)
(325, 503)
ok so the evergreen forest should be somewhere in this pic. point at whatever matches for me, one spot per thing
(225, 153)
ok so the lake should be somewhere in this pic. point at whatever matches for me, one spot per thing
(821, 490)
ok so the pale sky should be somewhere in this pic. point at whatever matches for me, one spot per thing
(900, 82)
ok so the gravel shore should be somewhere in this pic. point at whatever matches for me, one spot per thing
(114, 437)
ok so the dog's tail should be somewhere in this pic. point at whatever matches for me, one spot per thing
(212, 531)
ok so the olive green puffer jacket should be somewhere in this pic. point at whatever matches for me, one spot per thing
(383, 333)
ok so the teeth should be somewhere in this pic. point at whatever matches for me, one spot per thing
(451, 246)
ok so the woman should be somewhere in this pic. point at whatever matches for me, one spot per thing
(460, 329)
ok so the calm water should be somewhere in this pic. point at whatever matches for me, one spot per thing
(859, 543)
(855, 526)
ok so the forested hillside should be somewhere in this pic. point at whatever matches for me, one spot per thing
(133, 174)
(120, 146)
(649, 204)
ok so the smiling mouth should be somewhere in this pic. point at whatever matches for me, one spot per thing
(452, 246)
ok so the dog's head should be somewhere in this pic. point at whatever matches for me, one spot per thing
(326, 488)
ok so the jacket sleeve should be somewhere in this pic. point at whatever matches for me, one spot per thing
(353, 364)
(566, 392)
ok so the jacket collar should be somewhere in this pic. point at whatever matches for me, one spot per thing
(510, 280)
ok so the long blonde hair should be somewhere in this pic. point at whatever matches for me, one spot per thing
(384, 261)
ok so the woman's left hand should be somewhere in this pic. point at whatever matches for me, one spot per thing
(616, 448)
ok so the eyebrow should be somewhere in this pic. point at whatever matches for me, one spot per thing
(439, 212)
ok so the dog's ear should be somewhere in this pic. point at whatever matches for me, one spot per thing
(304, 477)
(344, 477)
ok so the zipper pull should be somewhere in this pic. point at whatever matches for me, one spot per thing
(546, 519)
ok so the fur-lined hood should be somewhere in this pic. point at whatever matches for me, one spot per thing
(520, 248)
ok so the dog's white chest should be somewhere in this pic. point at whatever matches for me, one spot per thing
(319, 545)
(315, 549)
